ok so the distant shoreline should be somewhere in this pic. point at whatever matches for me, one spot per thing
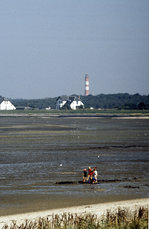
(43, 114)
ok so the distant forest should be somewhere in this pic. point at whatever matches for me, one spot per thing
(103, 101)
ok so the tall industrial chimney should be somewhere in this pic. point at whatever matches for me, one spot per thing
(86, 85)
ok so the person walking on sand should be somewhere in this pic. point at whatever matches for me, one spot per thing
(95, 174)
(85, 175)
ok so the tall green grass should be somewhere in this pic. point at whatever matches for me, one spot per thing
(121, 219)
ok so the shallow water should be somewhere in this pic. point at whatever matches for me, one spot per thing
(36, 153)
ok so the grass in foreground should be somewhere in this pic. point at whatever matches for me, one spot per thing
(121, 219)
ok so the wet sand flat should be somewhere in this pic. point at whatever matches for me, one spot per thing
(37, 153)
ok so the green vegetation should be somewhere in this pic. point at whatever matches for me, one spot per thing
(122, 219)
(89, 112)
(109, 101)
(119, 101)
(35, 103)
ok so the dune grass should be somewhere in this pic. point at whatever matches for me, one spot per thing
(120, 219)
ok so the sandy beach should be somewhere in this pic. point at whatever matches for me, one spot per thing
(96, 209)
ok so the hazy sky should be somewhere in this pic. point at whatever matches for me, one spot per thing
(47, 46)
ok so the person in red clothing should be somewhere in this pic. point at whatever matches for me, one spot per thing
(90, 174)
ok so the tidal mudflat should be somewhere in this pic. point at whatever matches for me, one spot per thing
(42, 158)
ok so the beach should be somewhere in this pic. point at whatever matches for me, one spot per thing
(95, 209)
(42, 159)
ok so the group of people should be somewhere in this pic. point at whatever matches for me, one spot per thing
(90, 176)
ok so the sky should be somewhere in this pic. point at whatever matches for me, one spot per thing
(47, 47)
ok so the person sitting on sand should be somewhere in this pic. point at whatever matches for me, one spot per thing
(95, 174)
(85, 175)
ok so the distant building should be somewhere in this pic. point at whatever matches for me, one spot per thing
(60, 102)
(48, 108)
(73, 102)
(5, 104)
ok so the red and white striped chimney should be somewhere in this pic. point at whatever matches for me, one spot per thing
(86, 85)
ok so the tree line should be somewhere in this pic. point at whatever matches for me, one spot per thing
(103, 101)
(119, 101)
